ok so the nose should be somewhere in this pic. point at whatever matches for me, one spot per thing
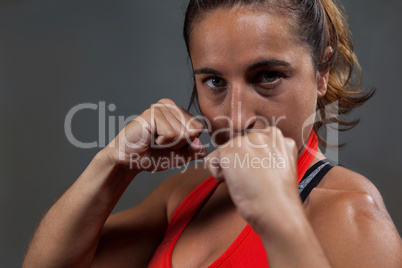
(242, 108)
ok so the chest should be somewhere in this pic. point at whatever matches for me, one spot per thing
(210, 233)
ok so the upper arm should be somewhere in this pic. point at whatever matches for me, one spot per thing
(354, 227)
(129, 238)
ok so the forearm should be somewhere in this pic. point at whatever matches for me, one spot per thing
(294, 244)
(69, 233)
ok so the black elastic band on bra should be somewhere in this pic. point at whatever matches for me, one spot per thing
(313, 176)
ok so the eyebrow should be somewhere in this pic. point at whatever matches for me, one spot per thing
(262, 63)
(207, 71)
(268, 63)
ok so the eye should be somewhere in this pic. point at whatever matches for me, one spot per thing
(269, 77)
(215, 82)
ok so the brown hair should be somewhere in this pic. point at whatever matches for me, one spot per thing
(320, 23)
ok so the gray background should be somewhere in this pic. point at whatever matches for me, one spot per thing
(57, 54)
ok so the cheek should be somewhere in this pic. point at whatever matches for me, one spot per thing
(209, 112)
(205, 104)
(299, 109)
(306, 115)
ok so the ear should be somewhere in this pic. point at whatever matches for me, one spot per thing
(322, 81)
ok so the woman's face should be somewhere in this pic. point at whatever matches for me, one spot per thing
(251, 72)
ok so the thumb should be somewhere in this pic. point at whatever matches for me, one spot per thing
(195, 150)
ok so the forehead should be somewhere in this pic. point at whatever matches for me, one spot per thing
(242, 35)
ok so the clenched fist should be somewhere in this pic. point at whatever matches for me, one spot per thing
(164, 132)
(260, 171)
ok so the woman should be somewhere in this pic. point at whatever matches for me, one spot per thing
(261, 70)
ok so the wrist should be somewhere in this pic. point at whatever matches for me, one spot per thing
(106, 179)
(294, 244)
(111, 157)
(285, 227)
(281, 220)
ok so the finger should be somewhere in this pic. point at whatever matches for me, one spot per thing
(190, 127)
(163, 130)
(276, 137)
(194, 126)
(169, 132)
(197, 150)
(180, 156)
(193, 151)
(196, 123)
(292, 151)
(181, 135)
(291, 147)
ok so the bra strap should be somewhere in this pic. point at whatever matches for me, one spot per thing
(312, 177)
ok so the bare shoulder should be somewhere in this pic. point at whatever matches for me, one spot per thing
(351, 221)
(349, 186)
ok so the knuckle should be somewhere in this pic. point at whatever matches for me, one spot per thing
(143, 120)
(195, 130)
(147, 112)
(252, 135)
(154, 106)
(193, 133)
(183, 133)
(155, 111)
(238, 139)
(169, 134)
(291, 143)
(178, 114)
(197, 123)
(166, 101)
(277, 131)
(258, 138)
(261, 136)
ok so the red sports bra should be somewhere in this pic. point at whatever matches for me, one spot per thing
(247, 250)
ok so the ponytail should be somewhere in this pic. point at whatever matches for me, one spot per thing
(344, 76)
